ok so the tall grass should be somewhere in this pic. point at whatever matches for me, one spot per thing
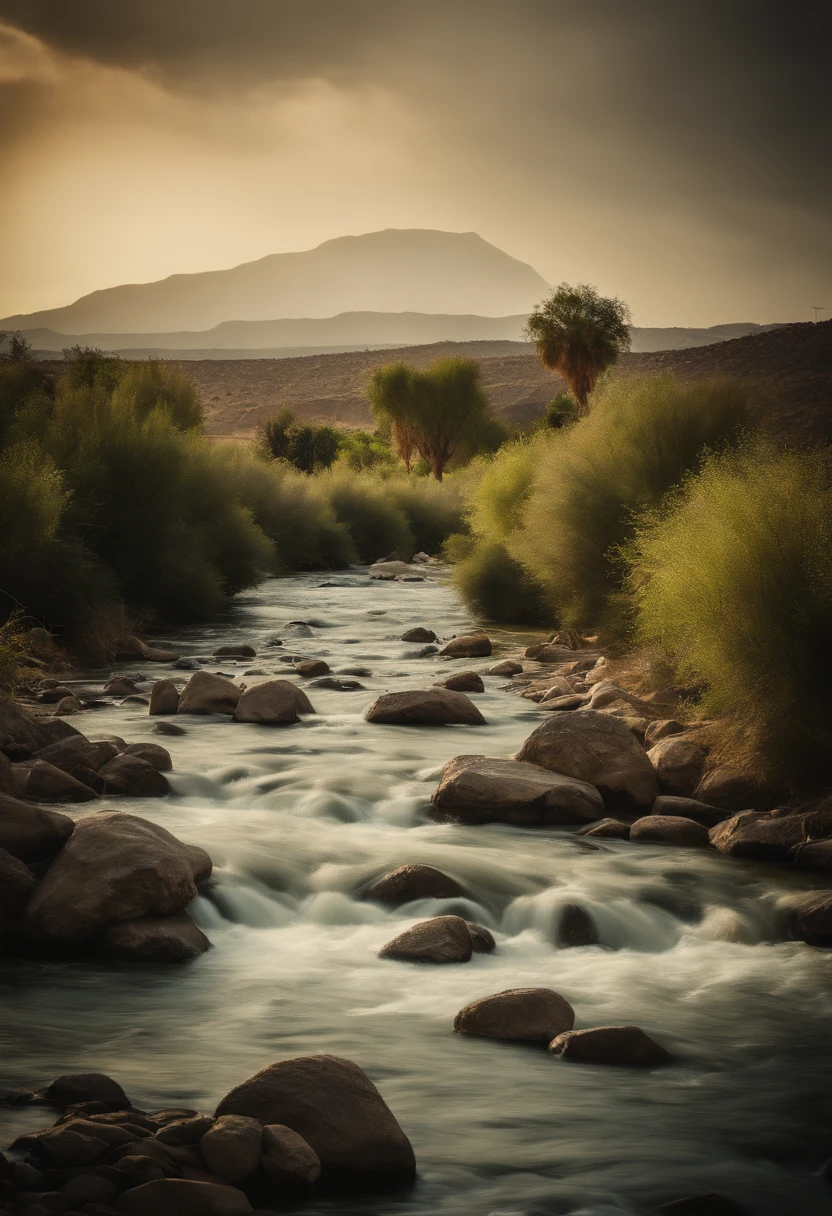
(733, 583)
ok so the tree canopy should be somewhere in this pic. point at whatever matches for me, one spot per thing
(306, 447)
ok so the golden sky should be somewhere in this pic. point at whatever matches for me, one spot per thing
(674, 155)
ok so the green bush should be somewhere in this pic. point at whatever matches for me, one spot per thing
(432, 509)
(365, 452)
(377, 526)
(497, 587)
(733, 583)
(143, 387)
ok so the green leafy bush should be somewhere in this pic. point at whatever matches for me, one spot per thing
(433, 509)
(377, 526)
(497, 587)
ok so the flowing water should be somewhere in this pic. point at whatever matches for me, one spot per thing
(299, 819)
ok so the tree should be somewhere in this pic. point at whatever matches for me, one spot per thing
(579, 334)
(390, 392)
(306, 447)
(19, 349)
(363, 451)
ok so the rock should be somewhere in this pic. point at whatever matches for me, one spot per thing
(463, 681)
(184, 1132)
(138, 1168)
(636, 725)
(56, 728)
(424, 707)
(419, 635)
(114, 867)
(164, 698)
(363, 673)
(238, 651)
(625, 1045)
(563, 704)
(480, 789)
(599, 750)
(814, 856)
(64, 1145)
(90, 1188)
(67, 754)
(678, 761)
(670, 829)
(758, 836)
(663, 728)
(73, 1088)
(482, 940)
(153, 753)
(442, 939)
(232, 1147)
(153, 939)
(409, 882)
(290, 1164)
(135, 701)
(336, 685)
(120, 686)
(273, 703)
(17, 882)
(469, 646)
(200, 863)
(335, 1107)
(67, 706)
(689, 808)
(55, 694)
(528, 1015)
(576, 928)
(426, 652)
(312, 667)
(813, 920)
(131, 774)
(168, 728)
(206, 693)
(704, 1205)
(182, 1197)
(43, 782)
(507, 668)
(31, 833)
(134, 648)
(728, 788)
(610, 829)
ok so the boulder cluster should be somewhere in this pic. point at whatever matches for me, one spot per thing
(301, 1124)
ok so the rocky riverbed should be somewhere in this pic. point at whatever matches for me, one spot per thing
(409, 898)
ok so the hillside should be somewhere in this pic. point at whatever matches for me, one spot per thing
(413, 270)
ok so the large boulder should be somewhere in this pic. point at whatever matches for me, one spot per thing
(31, 833)
(182, 1197)
(469, 646)
(206, 693)
(406, 883)
(762, 837)
(134, 776)
(678, 761)
(419, 635)
(57, 728)
(481, 789)
(442, 939)
(728, 788)
(482, 939)
(607, 829)
(576, 928)
(815, 855)
(17, 882)
(156, 939)
(232, 1147)
(623, 1045)
(527, 1015)
(164, 698)
(670, 829)
(424, 707)
(43, 782)
(273, 703)
(600, 750)
(153, 753)
(76, 750)
(18, 728)
(73, 1088)
(462, 681)
(337, 1110)
(506, 668)
(813, 919)
(689, 808)
(238, 650)
(662, 728)
(115, 867)
(290, 1164)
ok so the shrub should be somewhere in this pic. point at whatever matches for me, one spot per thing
(306, 447)
(365, 451)
(497, 587)
(498, 498)
(143, 387)
(376, 525)
(433, 510)
(734, 584)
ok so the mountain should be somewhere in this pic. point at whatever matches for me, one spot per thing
(397, 270)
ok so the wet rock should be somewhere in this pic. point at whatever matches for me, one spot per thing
(168, 728)
(232, 1147)
(528, 1015)
(189, 664)
(31, 833)
(425, 652)
(409, 882)
(135, 701)
(599, 750)
(291, 1165)
(17, 882)
(312, 667)
(153, 753)
(620, 1045)
(184, 1132)
(206, 693)
(130, 774)
(67, 754)
(670, 829)
(813, 920)
(336, 685)
(138, 1168)
(564, 703)
(114, 867)
(424, 707)
(482, 940)
(135, 648)
(19, 728)
(273, 703)
(66, 1145)
(704, 1205)
(813, 856)
(507, 668)
(67, 706)
(89, 1188)
(120, 686)
(463, 681)
(238, 651)
(689, 808)
(164, 698)
(154, 939)
(728, 788)
(419, 635)
(480, 789)
(469, 646)
(679, 761)
(74, 1088)
(662, 728)
(363, 673)
(182, 1197)
(442, 939)
(199, 861)
(610, 829)
(576, 928)
(55, 694)
(758, 836)
(43, 782)
(335, 1107)
(56, 728)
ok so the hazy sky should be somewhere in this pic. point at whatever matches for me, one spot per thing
(674, 153)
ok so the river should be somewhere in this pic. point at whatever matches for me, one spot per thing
(296, 819)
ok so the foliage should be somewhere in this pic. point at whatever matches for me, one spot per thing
(14, 348)
(579, 334)
(390, 392)
(733, 583)
(366, 451)
(561, 411)
(496, 586)
(89, 365)
(433, 510)
(377, 526)
(155, 384)
(308, 448)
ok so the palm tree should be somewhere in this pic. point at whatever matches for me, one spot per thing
(579, 334)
